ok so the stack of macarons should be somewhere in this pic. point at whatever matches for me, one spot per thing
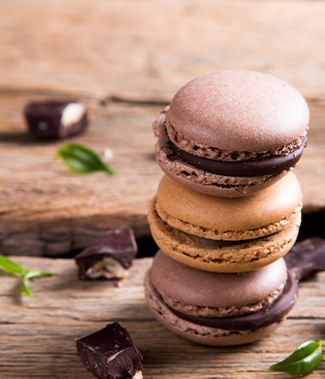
(228, 208)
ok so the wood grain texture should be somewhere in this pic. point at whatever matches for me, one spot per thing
(46, 210)
(149, 49)
(126, 61)
(53, 210)
(38, 335)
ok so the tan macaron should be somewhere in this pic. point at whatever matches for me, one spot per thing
(222, 234)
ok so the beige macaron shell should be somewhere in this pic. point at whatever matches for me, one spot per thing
(198, 333)
(239, 110)
(239, 257)
(209, 289)
(223, 214)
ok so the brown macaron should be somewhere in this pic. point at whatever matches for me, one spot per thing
(219, 309)
(232, 133)
(222, 234)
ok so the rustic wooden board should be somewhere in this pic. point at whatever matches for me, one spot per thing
(46, 210)
(147, 49)
(38, 335)
(126, 61)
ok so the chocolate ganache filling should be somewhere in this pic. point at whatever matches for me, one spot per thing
(259, 167)
(275, 312)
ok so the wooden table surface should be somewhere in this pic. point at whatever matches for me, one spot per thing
(126, 61)
(38, 335)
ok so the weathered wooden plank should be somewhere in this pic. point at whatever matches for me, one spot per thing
(46, 210)
(139, 54)
(38, 335)
(147, 50)
(311, 168)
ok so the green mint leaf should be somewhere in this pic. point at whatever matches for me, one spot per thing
(303, 361)
(28, 274)
(13, 268)
(32, 273)
(10, 266)
(82, 160)
(26, 290)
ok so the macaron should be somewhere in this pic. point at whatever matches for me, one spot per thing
(216, 308)
(226, 234)
(232, 133)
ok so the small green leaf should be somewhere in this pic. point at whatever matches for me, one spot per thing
(13, 268)
(82, 160)
(303, 361)
(10, 266)
(32, 273)
(26, 290)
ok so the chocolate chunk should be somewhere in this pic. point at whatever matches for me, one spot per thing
(265, 166)
(110, 353)
(306, 258)
(109, 257)
(54, 119)
(275, 312)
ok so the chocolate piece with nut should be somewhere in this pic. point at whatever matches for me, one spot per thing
(54, 119)
(110, 353)
(306, 258)
(109, 257)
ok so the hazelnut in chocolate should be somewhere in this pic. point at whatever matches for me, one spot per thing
(109, 257)
(53, 119)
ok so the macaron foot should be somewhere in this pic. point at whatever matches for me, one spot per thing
(203, 181)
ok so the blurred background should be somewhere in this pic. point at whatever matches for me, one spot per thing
(125, 60)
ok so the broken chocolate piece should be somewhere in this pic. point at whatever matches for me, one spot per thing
(306, 258)
(110, 353)
(54, 119)
(109, 257)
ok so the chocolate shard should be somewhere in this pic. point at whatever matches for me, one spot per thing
(53, 119)
(110, 353)
(109, 257)
(306, 258)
